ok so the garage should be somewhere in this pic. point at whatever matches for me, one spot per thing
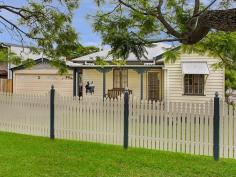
(39, 79)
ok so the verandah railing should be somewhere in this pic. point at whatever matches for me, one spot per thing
(172, 126)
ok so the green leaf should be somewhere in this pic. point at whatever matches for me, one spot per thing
(171, 56)
(119, 62)
(101, 62)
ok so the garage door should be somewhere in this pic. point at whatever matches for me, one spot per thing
(41, 84)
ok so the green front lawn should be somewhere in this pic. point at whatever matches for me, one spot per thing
(24, 156)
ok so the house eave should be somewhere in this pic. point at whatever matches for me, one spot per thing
(116, 66)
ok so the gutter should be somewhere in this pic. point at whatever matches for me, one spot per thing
(116, 66)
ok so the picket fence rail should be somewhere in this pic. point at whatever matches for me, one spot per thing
(169, 126)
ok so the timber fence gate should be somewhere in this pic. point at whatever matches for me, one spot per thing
(194, 128)
(6, 85)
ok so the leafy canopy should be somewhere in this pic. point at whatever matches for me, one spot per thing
(132, 25)
(6, 57)
(47, 24)
(230, 79)
(221, 45)
(82, 50)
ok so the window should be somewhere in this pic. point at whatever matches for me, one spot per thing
(194, 84)
(120, 78)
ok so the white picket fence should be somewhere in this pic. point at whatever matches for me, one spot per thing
(228, 131)
(25, 114)
(177, 127)
(90, 119)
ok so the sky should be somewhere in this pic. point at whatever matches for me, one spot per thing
(84, 26)
(80, 23)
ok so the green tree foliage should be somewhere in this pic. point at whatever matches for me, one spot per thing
(230, 78)
(6, 57)
(133, 25)
(45, 23)
(82, 51)
(221, 45)
(101, 62)
(119, 62)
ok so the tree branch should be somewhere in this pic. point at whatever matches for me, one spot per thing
(109, 13)
(196, 7)
(164, 40)
(160, 17)
(222, 20)
(132, 8)
(18, 29)
(10, 9)
(205, 9)
(146, 41)
(193, 23)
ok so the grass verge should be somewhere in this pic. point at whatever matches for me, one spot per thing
(28, 156)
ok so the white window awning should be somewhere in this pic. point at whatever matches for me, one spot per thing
(195, 68)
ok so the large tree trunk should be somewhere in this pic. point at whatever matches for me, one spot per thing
(222, 20)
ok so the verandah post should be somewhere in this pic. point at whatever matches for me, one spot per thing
(216, 140)
(126, 118)
(52, 113)
(74, 82)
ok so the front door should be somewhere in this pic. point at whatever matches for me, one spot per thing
(154, 85)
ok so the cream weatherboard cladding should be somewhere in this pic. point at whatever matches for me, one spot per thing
(134, 83)
(174, 89)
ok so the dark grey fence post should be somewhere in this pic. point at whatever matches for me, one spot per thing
(126, 119)
(52, 112)
(216, 140)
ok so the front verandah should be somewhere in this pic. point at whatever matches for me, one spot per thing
(144, 82)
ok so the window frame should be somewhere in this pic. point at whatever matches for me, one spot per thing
(160, 78)
(194, 77)
(121, 75)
